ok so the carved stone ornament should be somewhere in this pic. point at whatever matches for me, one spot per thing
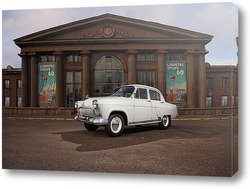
(108, 31)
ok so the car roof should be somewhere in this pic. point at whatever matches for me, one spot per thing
(142, 86)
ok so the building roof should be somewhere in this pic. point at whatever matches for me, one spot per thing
(221, 68)
(10, 70)
(112, 27)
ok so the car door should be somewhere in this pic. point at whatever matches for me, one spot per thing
(157, 104)
(142, 106)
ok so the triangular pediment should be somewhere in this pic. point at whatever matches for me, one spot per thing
(109, 26)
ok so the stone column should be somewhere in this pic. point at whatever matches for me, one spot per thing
(59, 79)
(201, 79)
(190, 80)
(131, 66)
(85, 74)
(33, 81)
(161, 71)
(25, 80)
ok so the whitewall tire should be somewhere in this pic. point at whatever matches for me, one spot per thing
(115, 125)
(165, 122)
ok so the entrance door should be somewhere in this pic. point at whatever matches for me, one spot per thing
(73, 87)
(109, 74)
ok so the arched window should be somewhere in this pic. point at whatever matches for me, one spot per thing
(109, 74)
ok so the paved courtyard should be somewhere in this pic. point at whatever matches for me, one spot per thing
(198, 147)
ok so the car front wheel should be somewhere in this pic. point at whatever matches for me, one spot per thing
(165, 122)
(115, 125)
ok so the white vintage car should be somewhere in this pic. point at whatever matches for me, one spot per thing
(128, 105)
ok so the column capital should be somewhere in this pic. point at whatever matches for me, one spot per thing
(22, 54)
(85, 52)
(58, 53)
(196, 52)
(32, 54)
(132, 52)
(203, 52)
(161, 52)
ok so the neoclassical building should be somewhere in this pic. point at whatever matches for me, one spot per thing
(93, 56)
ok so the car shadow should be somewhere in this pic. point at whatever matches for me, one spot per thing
(98, 140)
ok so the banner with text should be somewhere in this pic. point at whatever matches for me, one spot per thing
(47, 84)
(176, 82)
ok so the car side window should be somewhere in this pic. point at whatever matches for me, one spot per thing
(154, 95)
(141, 93)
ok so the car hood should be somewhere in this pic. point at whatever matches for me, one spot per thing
(112, 100)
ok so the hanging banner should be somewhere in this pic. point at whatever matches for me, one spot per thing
(47, 84)
(176, 89)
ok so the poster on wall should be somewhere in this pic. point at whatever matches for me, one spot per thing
(176, 89)
(47, 84)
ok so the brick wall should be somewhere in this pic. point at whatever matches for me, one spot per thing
(35, 111)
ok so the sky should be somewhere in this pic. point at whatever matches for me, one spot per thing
(217, 19)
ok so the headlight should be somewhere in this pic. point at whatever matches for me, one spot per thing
(95, 103)
(76, 105)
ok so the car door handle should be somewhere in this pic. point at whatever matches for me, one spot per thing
(148, 101)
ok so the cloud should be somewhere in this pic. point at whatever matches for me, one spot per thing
(217, 19)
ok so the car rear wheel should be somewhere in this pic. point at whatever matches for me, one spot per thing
(115, 125)
(165, 122)
(90, 127)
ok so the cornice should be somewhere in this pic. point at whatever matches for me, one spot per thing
(107, 32)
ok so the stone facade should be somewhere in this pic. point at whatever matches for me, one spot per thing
(222, 86)
(11, 87)
(118, 49)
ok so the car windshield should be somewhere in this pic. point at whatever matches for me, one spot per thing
(125, 91)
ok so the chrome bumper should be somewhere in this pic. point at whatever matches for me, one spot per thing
(90, 115)
(91, 120)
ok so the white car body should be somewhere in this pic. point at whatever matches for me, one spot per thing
(129, 105)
